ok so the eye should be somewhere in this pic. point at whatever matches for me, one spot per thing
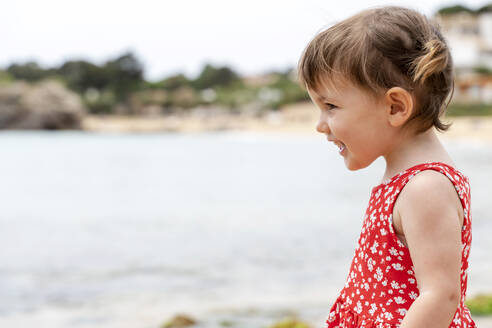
(330, 106)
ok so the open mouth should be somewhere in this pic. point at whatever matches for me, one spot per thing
(341, 147)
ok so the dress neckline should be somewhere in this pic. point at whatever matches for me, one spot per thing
(390, 180)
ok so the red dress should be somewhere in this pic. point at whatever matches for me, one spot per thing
(381, 283)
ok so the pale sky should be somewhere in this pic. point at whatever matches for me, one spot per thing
(250, 36)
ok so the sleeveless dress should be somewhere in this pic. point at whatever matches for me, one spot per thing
(381, 283)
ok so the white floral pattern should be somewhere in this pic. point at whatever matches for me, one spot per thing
(381, 285)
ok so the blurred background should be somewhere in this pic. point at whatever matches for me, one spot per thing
(162, 168)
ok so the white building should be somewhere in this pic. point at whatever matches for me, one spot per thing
(469, 37)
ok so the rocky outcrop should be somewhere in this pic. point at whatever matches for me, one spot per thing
(45, 105)
(179, 321)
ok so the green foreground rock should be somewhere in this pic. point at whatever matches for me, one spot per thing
(480, 305)
(290, 323)
(178, 321)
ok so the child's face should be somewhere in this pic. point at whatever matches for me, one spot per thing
(349, 115)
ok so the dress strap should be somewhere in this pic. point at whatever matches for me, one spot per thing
(460, 182)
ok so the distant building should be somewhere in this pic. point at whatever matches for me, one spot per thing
(259, 80)
(469, 36)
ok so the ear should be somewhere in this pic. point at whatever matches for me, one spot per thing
(399, 105)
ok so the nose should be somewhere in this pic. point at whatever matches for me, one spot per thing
(322, 127)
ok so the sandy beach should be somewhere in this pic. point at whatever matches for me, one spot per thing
(298, 119)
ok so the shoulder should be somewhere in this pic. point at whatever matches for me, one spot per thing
(431, 225)
(429, 198)
(429, 181)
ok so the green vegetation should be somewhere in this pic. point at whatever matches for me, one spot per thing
(451, 10)
(454, 10)
(485, 9)
(480, 305)
(215, 77)
(100, 87)
(483, 70)
(118, 86)
(5, 78)
(226, 323)
(170, 83)
(29, 71)
(179, 321)
(290, 323)
(469, 110)
(289, 88)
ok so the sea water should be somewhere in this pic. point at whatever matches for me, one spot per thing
(109, 230)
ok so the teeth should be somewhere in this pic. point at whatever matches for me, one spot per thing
(340, 146)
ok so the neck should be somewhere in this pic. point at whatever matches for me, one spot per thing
(408, 151)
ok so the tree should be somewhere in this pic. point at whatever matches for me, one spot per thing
(82, 75)
(126, 75)
(29, 71)
(175, 82)
(485, 9)
(454, 10)
(212, 77)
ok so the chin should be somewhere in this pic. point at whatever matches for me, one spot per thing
(353, 168)
(355, 165)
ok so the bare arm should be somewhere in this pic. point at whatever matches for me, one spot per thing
(432, 229)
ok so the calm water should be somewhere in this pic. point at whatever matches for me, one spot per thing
(127, 230)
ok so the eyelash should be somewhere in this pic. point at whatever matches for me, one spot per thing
(330, 106)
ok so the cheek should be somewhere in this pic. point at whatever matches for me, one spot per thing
(348, 132)
(340, 129)
(359, 137)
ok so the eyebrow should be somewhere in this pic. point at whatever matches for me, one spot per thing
(326, 98)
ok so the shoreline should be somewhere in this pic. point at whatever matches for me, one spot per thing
(292, 119)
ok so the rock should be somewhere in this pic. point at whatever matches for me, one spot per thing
(290, 323)
(480, 304)
(45, 105)
(178, 321)
(226, 323)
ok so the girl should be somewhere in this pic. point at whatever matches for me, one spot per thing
(380, 79)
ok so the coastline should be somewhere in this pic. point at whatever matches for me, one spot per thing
(293, 119)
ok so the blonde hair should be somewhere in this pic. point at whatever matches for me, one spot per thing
(380, 48)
